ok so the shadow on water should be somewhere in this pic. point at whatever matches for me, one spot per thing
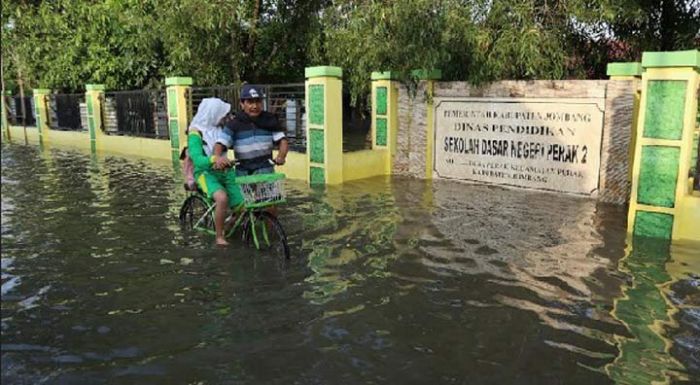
(393, 280)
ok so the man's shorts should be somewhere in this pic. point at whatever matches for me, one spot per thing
(212, 181)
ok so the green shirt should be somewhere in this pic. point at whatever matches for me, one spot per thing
(201, 161)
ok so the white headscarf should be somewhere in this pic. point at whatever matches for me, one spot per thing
(209, 113)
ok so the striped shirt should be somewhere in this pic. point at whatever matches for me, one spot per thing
(252, 140)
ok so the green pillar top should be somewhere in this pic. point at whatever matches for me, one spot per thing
(386, 75)
(433, 74)
(41, 91)
(94, 87)
(625, 69)
(689, 58)
(178, 81)
(323, 71)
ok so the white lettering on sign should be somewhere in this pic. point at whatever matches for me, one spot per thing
(548, 144)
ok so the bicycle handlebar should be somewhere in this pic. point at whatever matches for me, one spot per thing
(271, 161)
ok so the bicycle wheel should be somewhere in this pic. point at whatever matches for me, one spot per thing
(265, 233)
(195, 213)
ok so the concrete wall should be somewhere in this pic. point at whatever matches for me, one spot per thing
(410, 158)
(295, 167)
(411, 140)
(618, 133)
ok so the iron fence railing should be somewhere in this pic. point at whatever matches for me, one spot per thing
(14, 111)
(287, 101)
(229, 94)
(65, 111)
(136, 113)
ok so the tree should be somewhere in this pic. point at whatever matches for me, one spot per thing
(668, 25)
(126, 44)
(232, 41)
(485, 40)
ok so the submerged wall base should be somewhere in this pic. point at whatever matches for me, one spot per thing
(356, 165)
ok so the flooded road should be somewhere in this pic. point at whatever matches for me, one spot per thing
(393, 280)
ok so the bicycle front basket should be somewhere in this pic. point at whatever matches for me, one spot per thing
(262, 190)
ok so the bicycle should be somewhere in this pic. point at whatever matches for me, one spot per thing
(259, 227)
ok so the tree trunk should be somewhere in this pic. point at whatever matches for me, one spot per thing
(667, 24)
(252, 36)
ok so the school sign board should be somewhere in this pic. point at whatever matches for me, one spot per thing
(546, 144)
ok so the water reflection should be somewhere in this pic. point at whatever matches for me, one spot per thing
(645, 355)
(393, 280)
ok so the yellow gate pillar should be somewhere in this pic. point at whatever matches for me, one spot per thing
(41, 113)
(662, 203)
(94, 96)
(179, 112)
(385, 113)
(430, 77)
(324, 124)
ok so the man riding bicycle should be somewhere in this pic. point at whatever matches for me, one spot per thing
(252, 134)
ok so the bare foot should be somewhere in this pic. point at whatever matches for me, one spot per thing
(221, 242)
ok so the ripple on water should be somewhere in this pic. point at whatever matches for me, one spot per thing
(393, 281)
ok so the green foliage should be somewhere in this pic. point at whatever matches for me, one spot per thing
(126, 44)
(646, 25)
(475, 41)
(64, 44)
(485, 40)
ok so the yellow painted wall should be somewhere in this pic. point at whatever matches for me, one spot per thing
(147, 147)
(687, 221)
(17, 134)
(74, 139)
(296, 166)
(364, 164)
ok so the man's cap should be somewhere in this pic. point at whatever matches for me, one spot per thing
(249, 91)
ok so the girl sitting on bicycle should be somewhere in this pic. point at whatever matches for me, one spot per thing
(213, 174)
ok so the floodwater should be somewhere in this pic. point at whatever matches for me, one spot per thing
(393, 281)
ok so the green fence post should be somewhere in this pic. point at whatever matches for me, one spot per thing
(324, 124)
(661, 204)
(94, 97)
(385, 113)
(179, 97)
(41, 113)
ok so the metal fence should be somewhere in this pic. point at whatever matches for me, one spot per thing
(65, 112)
(14, 111)
(229, 94)
(287, 101)
(136, 113)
